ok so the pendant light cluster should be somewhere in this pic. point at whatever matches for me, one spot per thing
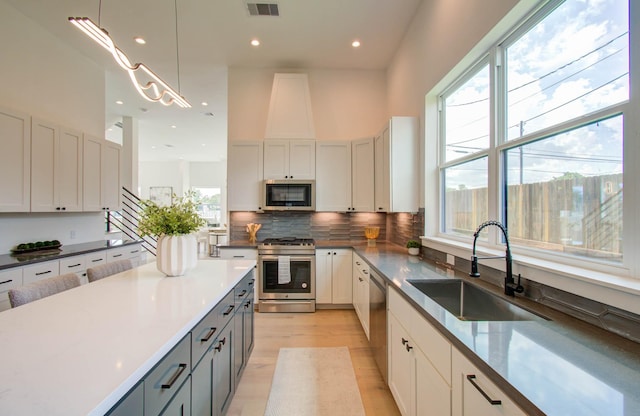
(155, 90)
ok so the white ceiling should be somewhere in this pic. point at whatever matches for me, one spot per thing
(214, 35)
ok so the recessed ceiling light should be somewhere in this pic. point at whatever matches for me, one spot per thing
(204, 103)
(153, 147)
(204, 144)
(255, 42)
(355, 43)
(120, 102)
(139, 40)
(173, 126)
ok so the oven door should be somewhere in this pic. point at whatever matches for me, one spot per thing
(302, 284)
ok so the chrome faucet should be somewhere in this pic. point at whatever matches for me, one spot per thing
(510, 286)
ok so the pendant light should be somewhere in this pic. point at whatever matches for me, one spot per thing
(155, 90)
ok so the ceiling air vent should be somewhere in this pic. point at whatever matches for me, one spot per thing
(263, 9)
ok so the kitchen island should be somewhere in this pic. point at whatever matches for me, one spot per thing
(80, 351)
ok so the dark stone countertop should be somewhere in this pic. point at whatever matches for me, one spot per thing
(8, 261)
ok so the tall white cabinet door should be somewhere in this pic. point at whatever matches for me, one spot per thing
(44, 140)
(244, 176)
(91, 174)
(401, 367)
(110, 175)
(382, 175)
(69, 170)
(15, 161)
(302, 159)
(362, 175)
(341, 288)
(276, 159)
(323, 276)
(333, 176)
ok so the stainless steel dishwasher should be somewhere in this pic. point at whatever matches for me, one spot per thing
(378, 321)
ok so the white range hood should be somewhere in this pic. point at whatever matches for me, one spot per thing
(290, 115)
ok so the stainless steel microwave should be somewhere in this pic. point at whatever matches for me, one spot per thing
(289, 195)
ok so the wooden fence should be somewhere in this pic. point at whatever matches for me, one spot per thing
(581, 215)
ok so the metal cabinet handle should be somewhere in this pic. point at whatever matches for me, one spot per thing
(96, 260)
(220, 344)
(358, 263)
(117, 255)
(365, 271)
(6, 281)
(73, 265)
(41, 273)
(247, 305)
(408, 347)
(251, 282)
(404, 341)
(175, 376)
(228, 311)
(471, 378)
(361, 279)
(207, 337)
(244, 292)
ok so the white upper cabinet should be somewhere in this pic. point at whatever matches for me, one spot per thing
(15, 161)
(56, 168)
(290, 115)
(102, 170)
(289, 159)
(333, 176)
(362, 175)
(344, 176)
(244, 176)
(396, 166)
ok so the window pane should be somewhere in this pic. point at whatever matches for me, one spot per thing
(209, 205)
(465, 202)
(467, 117)
(574, 62)
(564, 192)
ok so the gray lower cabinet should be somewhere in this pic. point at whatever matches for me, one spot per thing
(200, 374)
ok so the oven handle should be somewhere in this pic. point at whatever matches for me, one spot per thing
(293, 257)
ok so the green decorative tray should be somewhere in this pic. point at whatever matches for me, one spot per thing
(34, 249)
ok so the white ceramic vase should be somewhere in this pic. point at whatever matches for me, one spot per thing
(177, 254)
(414, 251)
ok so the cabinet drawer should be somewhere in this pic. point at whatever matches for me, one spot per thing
(244, 288)
(40, 271)
(128, 252)
(238, 253)
(360, 266)
(73, 264)
(204, 333)
(9, 279)
(162, 383)
(226, 309)
(96, 258)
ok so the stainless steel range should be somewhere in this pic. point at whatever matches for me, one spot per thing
(287, 275)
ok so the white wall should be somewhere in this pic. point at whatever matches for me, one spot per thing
(42, 76)
(347, 104)
(163, 174)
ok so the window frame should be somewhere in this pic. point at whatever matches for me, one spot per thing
(495, 53)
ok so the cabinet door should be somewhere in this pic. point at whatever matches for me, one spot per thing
(323, 276)
(244, 176)
(433, 394)
(44, 140)
(401, 367)
(91, 174)
(238, 345)
(9, 279)
(15, 161)
(341, 269)
(302, 159)
(276, 159)
(249, 319)
(180, 405)
(69, 170)
(132, 404)
(201, 385)
(382, 171)
(222, 371)
(362, 175)
(111, 175)
(333, 176)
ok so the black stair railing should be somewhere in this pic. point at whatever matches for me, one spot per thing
(126, 220)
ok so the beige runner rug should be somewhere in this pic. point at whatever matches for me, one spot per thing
(314, 382)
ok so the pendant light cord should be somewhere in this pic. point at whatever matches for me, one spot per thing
(175, 4)
(99, 12)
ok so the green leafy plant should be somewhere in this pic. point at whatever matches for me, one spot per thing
(413, 244)
(179, 218)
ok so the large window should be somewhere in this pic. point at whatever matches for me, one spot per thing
(209, 205)
(533, 134)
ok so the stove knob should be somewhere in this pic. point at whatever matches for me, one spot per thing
(304, 285)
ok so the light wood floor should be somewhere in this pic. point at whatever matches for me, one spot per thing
(324, 328)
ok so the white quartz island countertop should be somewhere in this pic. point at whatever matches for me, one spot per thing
(80, 351)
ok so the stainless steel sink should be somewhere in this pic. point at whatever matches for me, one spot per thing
(470, 303)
